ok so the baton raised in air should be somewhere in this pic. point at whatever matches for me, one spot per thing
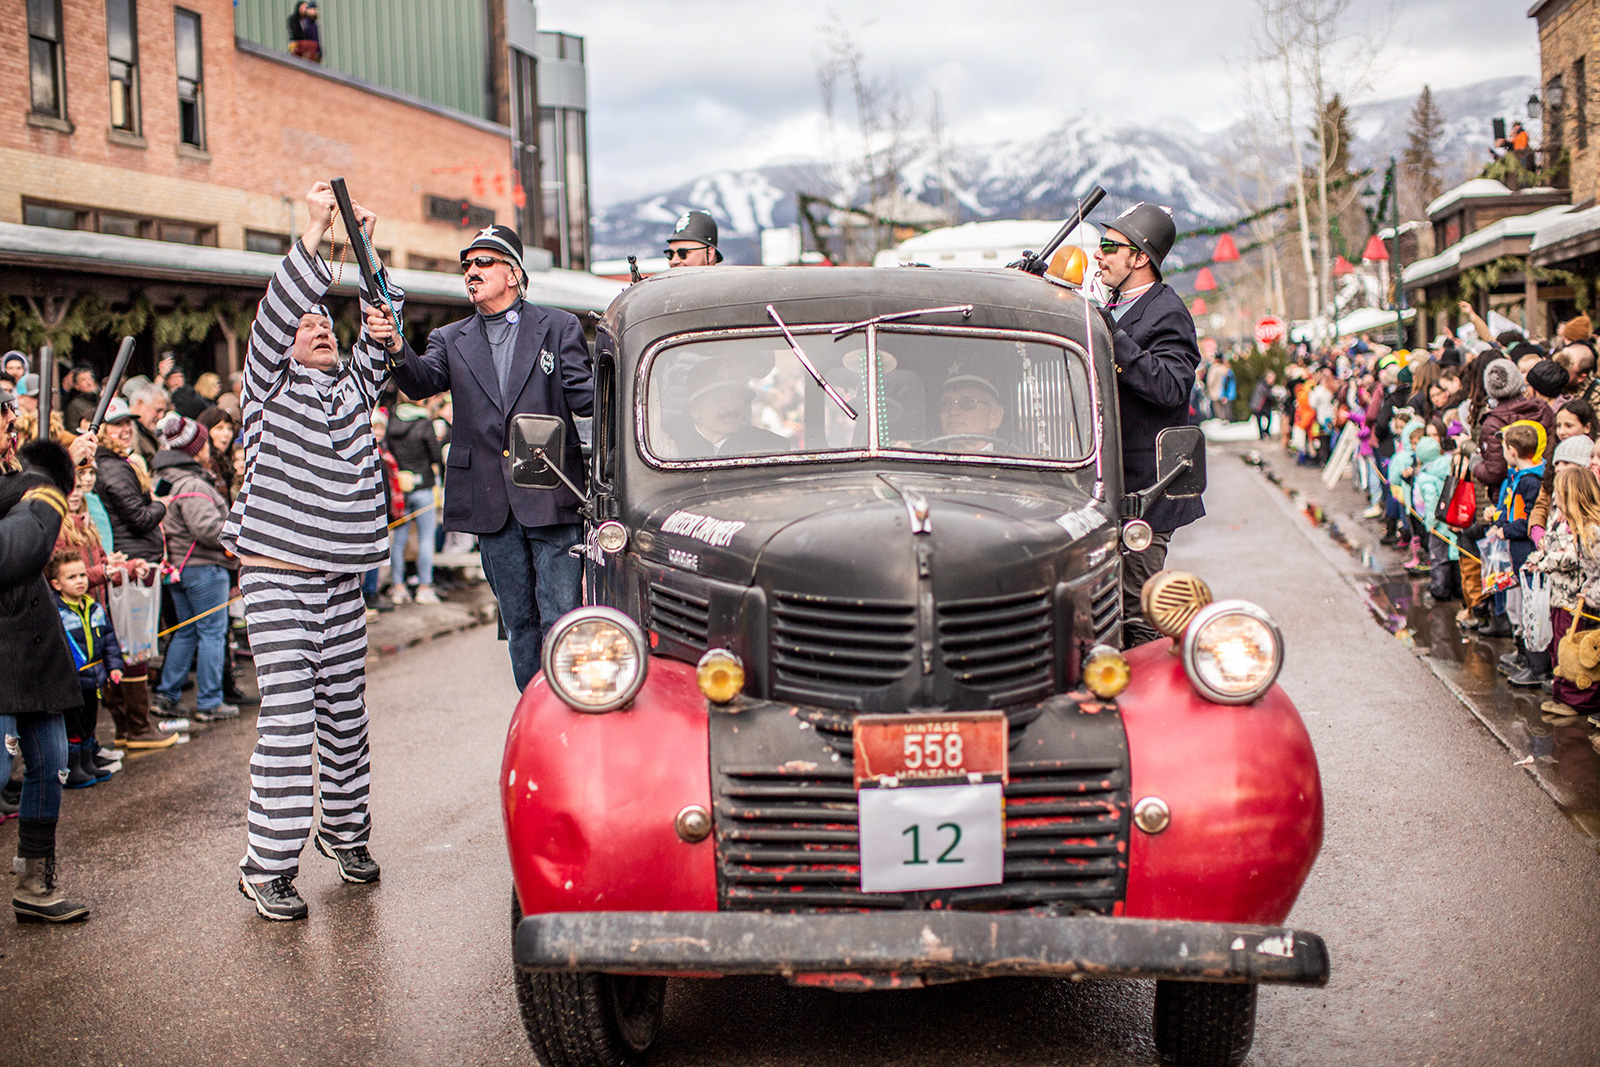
(372, 271)
(1035, 263)
(113, 383)
(47, 389)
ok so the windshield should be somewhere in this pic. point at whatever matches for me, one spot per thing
(1012, 397)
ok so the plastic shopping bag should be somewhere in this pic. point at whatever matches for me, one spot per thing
(1536, 631)
(136, 617)
(1498, 573)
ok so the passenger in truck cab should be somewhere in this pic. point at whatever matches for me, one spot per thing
(970, 408)
(719, 408)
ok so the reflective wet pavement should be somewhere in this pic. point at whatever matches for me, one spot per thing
(1456, 902)
(1560, 758)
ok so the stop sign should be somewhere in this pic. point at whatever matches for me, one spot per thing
(1269, 329)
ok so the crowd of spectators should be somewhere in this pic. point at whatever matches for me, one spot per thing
(1478, 457)
(144, 521)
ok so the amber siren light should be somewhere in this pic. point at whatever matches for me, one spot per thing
(1171, 599)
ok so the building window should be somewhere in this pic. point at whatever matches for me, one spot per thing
(118, 223)
(525, 149)
(191, 91)
(276, 244)
(57, 218)
(47, 75)
(122, 48)
(461, 213)
(1580, 102)
(433, 263)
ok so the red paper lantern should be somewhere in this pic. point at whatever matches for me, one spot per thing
(1342, 266)
(1205, 282)
(1376, 251)
(1226, 251)
(1200, 306)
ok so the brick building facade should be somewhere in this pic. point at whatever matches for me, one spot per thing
(1568, 31)
(268, 128)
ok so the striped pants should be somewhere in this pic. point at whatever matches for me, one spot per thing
(309, 636)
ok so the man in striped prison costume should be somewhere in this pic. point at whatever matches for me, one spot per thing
(308, 522)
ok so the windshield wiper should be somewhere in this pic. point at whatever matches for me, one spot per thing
(811, 368)
(840, 331)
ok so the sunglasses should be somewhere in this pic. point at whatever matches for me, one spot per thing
(963, 403)
(1109, 247)
(481, 262)
(681, 253)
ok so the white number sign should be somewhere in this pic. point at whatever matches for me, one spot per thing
(931, 837)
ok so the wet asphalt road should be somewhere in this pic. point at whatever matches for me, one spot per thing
(1458, 903)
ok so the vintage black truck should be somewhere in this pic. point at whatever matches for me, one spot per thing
(846, 703)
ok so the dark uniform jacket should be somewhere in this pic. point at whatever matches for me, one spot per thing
(1156, 357)
(550, 375)
(36, 669)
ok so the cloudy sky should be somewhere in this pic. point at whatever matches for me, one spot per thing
(682, 87)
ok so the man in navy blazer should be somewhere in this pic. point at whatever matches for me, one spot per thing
(509, 358)
(1156, 354)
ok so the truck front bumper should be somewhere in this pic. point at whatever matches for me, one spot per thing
(928, 945)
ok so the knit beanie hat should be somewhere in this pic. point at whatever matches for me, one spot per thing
(1575, 449)
(1579, 329)
(1502, 380)
(183, 434)
(1548, 378)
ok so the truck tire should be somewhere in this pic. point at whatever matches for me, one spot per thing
(588, 1019)
(1204, 1024)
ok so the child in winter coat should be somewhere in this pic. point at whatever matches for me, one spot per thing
(1401, 470)
(1432, 471)
(1563, 558)
(99, 660)
(1523, 445)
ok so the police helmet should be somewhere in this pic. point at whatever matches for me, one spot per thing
(1148, 228)
(699, 227)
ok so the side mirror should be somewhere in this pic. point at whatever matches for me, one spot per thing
(538, 442)
(1180, 470)
(1174, 445)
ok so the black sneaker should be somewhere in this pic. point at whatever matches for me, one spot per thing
(275, 900)
(355, 863)
(163, 707)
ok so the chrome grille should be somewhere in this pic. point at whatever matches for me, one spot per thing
(1105, 607)
(787, 841)
(1000, 647)
(679, 616)
(831, 646)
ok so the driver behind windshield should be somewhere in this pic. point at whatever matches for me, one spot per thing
(970, 412)
(719, 409)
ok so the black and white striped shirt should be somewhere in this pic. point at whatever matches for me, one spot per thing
(312, 492)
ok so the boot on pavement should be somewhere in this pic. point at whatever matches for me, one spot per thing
(149, 737)
(37, 897)
(77, 777)
(1498, 626)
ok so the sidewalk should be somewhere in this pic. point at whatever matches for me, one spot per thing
(1560, 759)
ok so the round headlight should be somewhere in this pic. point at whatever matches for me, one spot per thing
(1137, 535)
(595, 659)
(611, 536)
(1232, 652)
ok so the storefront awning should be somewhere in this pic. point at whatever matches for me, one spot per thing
(1513, 236)
(44, 249)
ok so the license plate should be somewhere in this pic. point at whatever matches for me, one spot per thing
(930, 800)
(896, 750)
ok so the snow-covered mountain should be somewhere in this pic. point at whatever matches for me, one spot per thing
(1169, 163)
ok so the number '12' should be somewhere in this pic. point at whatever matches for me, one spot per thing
(916, 844)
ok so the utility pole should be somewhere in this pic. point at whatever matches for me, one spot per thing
(1393, 179)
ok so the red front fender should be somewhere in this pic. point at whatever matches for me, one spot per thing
(1243, 789)
(589, 800)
